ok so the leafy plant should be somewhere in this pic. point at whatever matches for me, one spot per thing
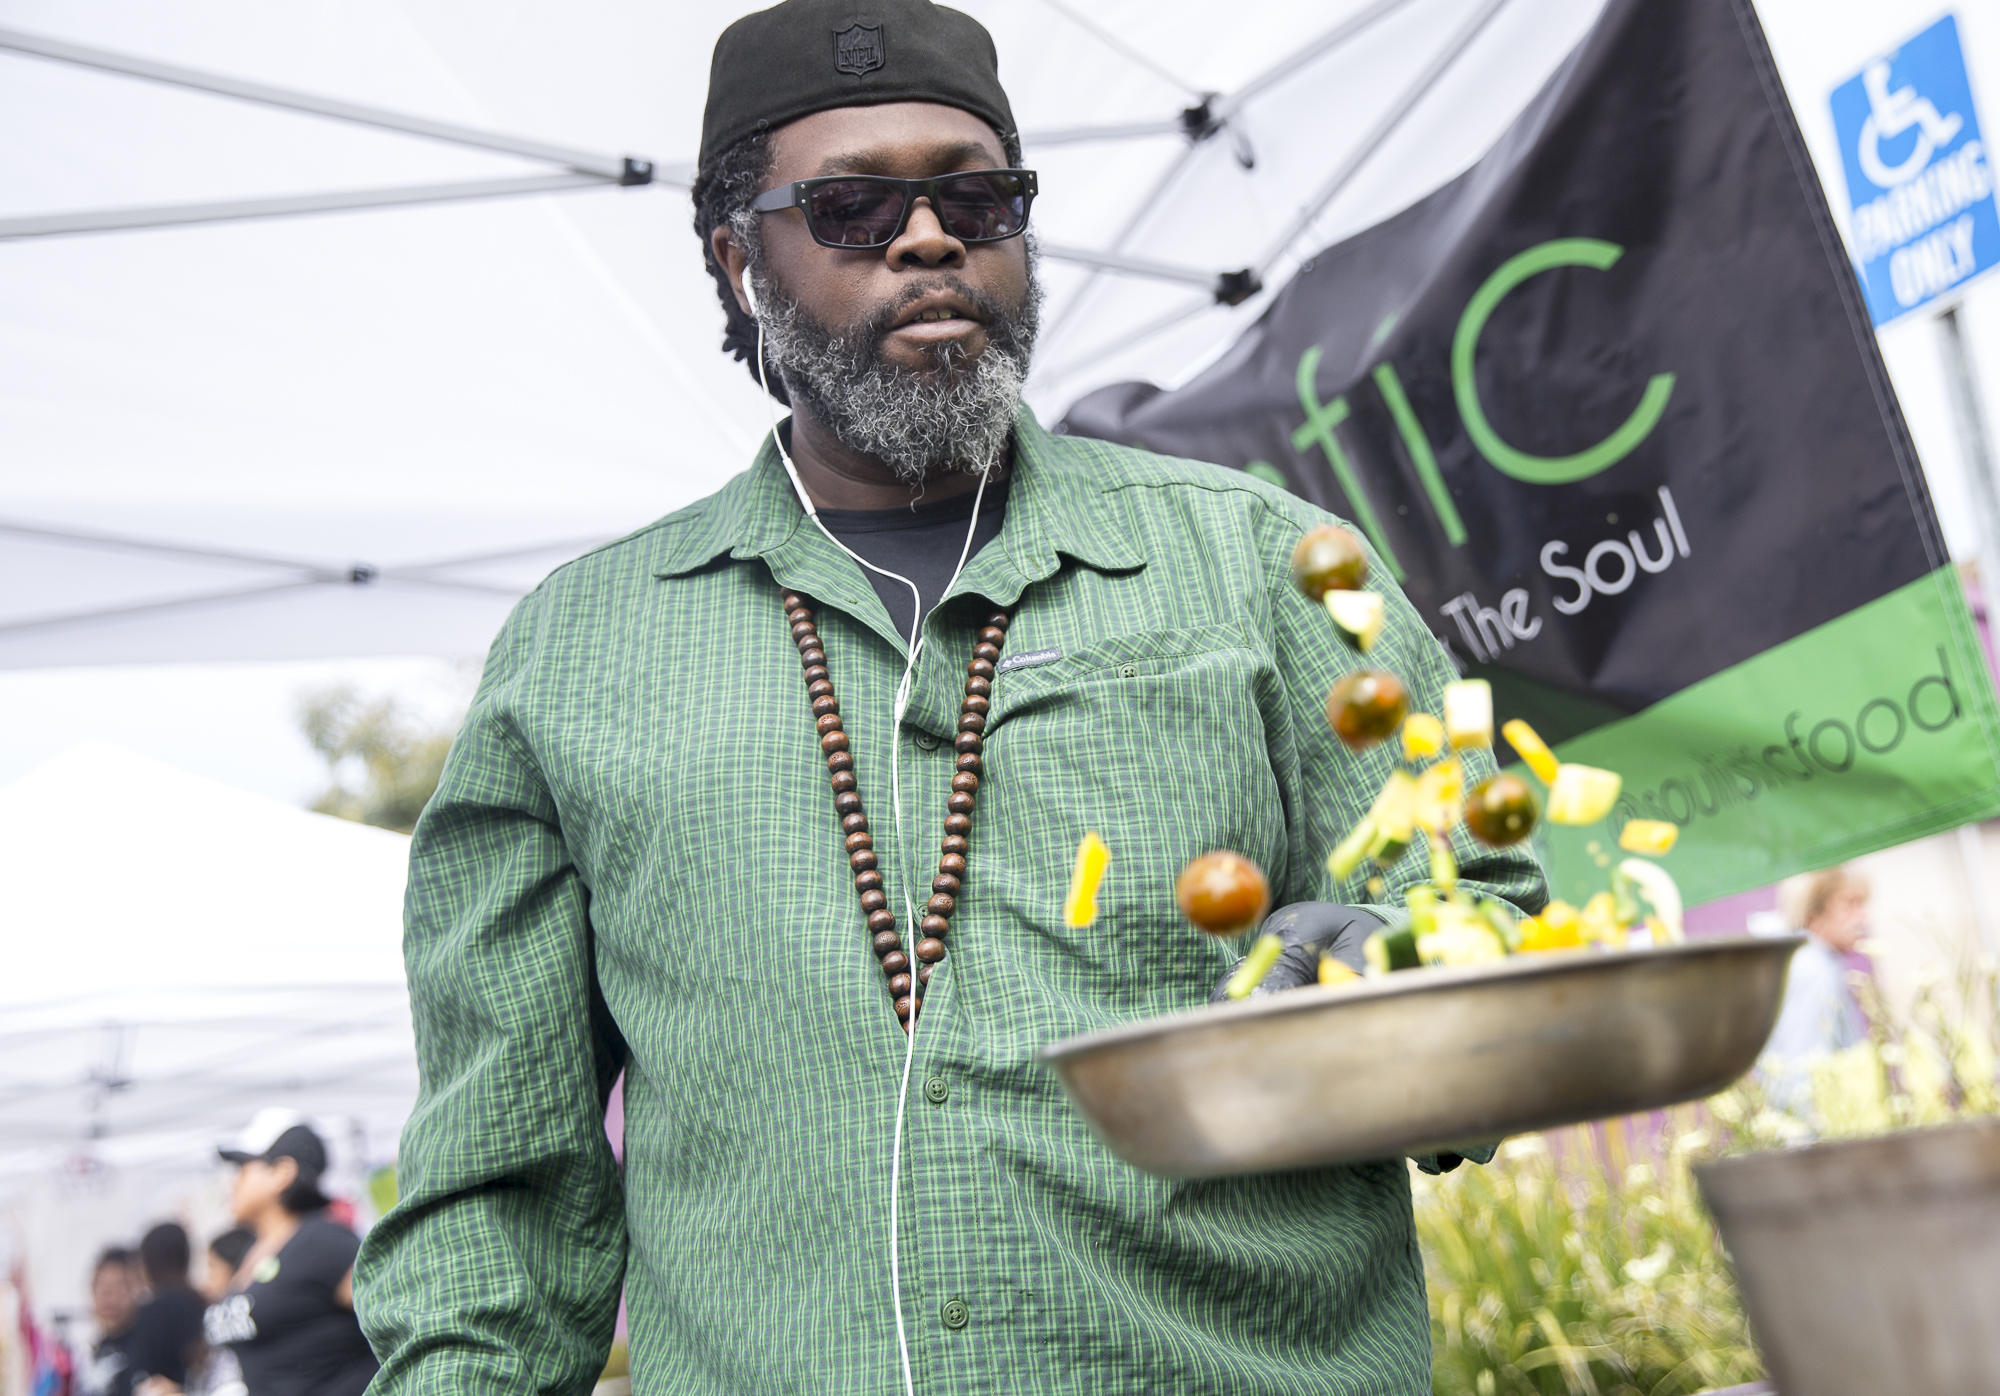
(1577, 1263)
(1582, 1263)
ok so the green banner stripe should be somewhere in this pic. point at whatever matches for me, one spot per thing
(1871, 730)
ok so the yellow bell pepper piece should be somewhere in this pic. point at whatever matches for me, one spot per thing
(1092, 858)
(1423, 737)
(1557, 928)
(1532, 749)
(1654, 836)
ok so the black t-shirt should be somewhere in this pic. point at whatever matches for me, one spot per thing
(109, 1371)
(921, 542)
(167, 1328)
(290, 1335)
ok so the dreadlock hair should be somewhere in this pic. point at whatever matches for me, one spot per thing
(723, 189)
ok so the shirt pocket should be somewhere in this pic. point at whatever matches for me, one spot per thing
(1157, 740)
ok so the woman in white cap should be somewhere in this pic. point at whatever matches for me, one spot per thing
(289, 1314)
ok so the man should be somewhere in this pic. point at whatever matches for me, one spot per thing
(696, 809)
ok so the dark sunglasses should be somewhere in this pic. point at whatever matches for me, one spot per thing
(860, 211)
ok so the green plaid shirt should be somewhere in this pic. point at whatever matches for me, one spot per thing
(633, 857)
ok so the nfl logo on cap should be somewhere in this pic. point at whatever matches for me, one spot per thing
(857, 49)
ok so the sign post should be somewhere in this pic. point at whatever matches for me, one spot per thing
(1924, 224)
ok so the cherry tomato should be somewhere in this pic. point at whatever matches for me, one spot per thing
(1367, 706)
(1329, 558)
(1501, 810)
(1223, 893)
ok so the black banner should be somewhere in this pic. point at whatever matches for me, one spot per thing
(1608, 402)
(1611, 409)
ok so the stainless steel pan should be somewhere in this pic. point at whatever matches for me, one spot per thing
(1423, 1059)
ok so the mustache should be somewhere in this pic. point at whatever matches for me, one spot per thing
(1002, 324)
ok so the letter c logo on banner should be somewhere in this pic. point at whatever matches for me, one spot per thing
(1544, 470)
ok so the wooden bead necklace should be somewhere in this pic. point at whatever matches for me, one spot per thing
(905, 991)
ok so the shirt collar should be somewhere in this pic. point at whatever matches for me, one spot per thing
(1056, 508)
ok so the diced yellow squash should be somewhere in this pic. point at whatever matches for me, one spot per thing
(1358, 616)
(1468, 713)
(1651, 836)
(1532, 749)
(1600, 921)
(1582, 794)
(1092, 858)
(1460, 937)
(1332, 971)
(1423, 737)
(1444, 867)
(1440, 797)
(1348, 853)
(1395, 807)
(1255, 966)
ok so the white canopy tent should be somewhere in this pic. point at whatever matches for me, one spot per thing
(178, 955)
(366, 433)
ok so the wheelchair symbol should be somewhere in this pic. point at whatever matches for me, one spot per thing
(1890, 115)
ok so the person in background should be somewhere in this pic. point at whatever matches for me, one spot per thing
(114, 1303)
(288, 1314)
(1821, 1014)
(211, 1371)
(225, 1258)
(167, 1329)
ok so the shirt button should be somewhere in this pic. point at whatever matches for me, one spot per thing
(927, 741)
(955, 1314)
(935, 1090)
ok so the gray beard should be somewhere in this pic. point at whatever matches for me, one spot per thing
(954, 415)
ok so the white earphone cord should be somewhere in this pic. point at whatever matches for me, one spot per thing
(916, 645)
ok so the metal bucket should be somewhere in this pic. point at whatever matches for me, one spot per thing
(1422, 1060)
(1870, 1267)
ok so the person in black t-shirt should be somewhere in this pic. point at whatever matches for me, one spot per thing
(114, 1303)
(167, 1331)
(290, 1315)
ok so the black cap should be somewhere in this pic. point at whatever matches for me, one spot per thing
(805, 56)
(297, 1143)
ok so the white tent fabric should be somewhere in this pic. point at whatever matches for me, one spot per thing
(206, 432)
(180, 953)
(367, 433)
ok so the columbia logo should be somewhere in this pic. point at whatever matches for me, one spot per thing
(1029, 659)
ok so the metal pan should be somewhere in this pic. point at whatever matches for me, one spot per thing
(1425, 1059)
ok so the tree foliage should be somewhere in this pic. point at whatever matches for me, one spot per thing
(383, 760)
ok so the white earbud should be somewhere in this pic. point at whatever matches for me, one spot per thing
(901, 708)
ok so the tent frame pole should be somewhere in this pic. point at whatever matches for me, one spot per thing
(580, 169)
(610, 167)
(174, 215)
(1387, 126)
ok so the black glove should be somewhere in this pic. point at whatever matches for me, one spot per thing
(1309, 930)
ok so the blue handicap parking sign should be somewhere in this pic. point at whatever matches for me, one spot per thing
(1918, 179)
